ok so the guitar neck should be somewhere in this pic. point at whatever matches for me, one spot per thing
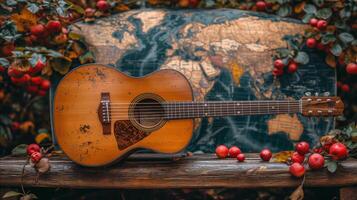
(187, 110)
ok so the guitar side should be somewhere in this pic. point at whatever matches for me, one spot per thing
(78, 125)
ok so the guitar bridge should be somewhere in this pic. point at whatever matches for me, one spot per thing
(104, 112)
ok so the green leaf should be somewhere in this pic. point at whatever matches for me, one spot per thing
(327, 38)
(19, 150)
(307, 17)
(11, 2)
(35, 57)
(61, 65)
(54, 54)
(324, 13)
(74, 36)
(336, 49)
(332, 166)
(10, 194)
(310, 9)
(284, 10)
(4, 62)
(346, 37)
(302, 58)
(88, 57)
(78, 9)
(319, 3)
(32, 7)
(283, 52)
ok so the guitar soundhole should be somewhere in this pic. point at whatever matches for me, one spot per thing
(148, 113)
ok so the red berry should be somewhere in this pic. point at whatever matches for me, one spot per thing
(38, 30)
(22, 80)
(261, 5)
(234, 151)
(317, 150)
(311, 42)
(302, 148)
(338, 84)
(45, 84)
(41, 93)
(277, 72)
(89, 12)
(321, 24)
(292, 67)
(265, 154)
(36, 80)
(194, 3)
(316, 161)
(345, 88)
(241, 157)
(25, 78)
(320, 46)
(13, 72)
(351, 68)
(296, 157)
(36, 156)
(338, 151)
(31, 148)
(15, 80)
(54, 26)
(32, 88)
(15, 126)
(37, 68)
(7, 49)
(102, 5)
(297, 170)
(2, 68)
(278, 63)
(222, 151)
(313, 22)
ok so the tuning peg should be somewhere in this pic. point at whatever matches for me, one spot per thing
(316, 94)
(307, 94)
(326, 94)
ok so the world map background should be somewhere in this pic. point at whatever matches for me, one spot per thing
(226, 55)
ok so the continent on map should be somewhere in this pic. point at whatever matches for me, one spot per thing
(287, 124)
(225, 55)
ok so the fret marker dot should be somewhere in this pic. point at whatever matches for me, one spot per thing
(205, 104)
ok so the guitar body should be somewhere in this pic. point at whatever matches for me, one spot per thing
(89, 140)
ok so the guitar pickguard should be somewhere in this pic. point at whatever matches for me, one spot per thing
(127, 134)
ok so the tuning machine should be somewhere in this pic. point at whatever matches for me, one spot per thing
(308, 94)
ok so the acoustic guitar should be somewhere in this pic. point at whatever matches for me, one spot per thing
(101, 115)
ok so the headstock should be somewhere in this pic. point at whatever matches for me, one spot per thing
(317, 106)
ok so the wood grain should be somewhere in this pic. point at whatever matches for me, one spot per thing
(198, 171)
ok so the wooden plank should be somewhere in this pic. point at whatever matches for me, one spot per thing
(198, 171)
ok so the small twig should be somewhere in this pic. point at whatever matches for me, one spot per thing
(22, 176)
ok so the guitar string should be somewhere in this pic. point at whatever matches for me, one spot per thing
(155, 115)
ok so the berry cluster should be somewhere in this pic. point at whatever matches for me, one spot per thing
(234, 152)
(29, 78)
(279, 66)
(38, 161)
(315, 159)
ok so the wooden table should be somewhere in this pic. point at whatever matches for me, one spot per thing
(155, 171)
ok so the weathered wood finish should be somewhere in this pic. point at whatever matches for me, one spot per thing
(77, 126)
(198, 171)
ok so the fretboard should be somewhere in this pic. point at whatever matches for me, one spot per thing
(185, 110)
